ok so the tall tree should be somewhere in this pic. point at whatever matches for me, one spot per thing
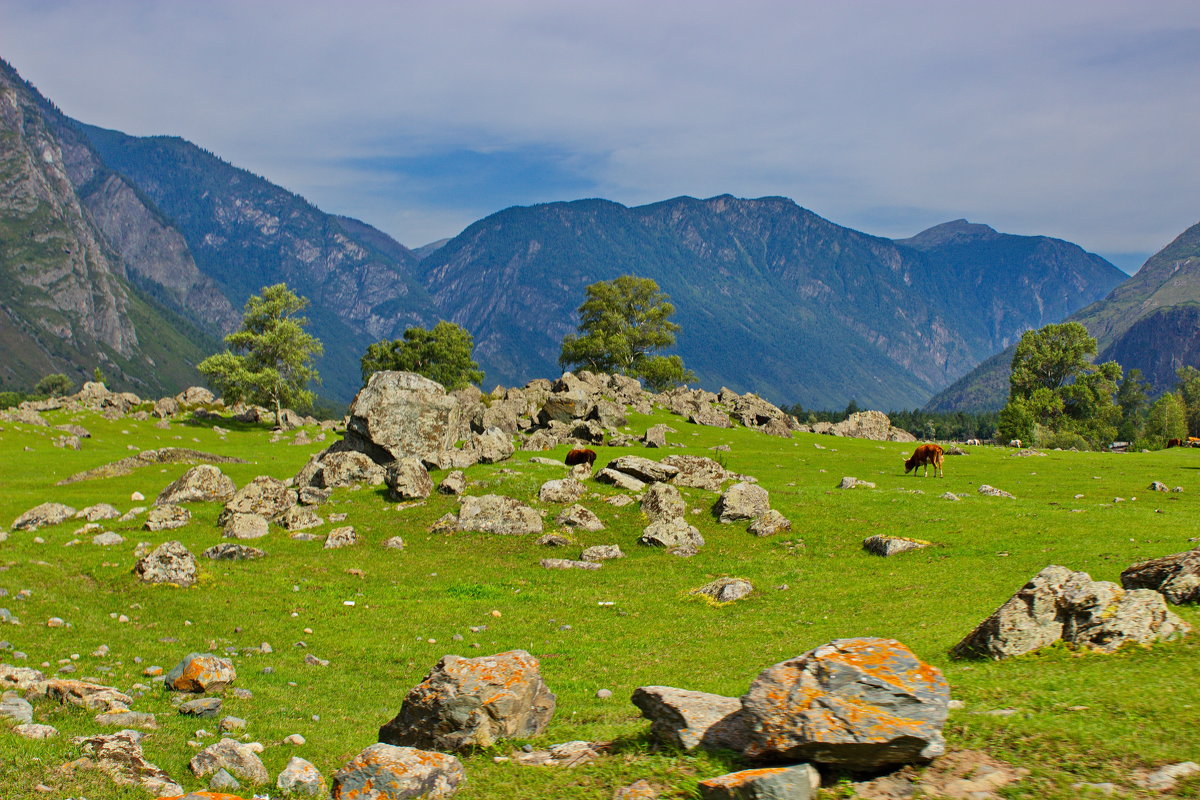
(622, 324)
(55, 384)
(1166, 420)
(269, 360)
(1189, 394)
(442, 354)
(1133, 401)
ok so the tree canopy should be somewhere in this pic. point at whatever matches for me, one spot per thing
(442, 354)
(55, 384)
(269, 360)
(622, 324)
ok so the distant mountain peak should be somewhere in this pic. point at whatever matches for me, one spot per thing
(955, 229)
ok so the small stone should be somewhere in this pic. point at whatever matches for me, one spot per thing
(222, 781)
(295, 740)
(604, 694)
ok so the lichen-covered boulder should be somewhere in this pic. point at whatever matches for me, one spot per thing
(407, 479)
(620, 480)
(578, 517)
(302, 778)
(881, 545)
(332, 468)
(245, 526)
(201, 672)
(402, 414)
(170, 562)
(202, 483)
(230, 551)
(1176, 577)
(769, 524)
(690, 720)
(264, 496)
(489, 447)
(563, 490)
(120, 756)
(643, 469)
(860, 704)
(473, 702)
(42, 515)
(492, 513)
(743, 500)
(1060, 604)
(387, 772)
(671, 533)
(663, 501)
(765, 783)
(698, 472)
(167, 518)
(234, 757)
(725, 590)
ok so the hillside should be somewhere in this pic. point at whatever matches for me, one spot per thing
(68, 295)
(771, 297)
(1148, 322)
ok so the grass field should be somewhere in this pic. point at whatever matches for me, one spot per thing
(1142, 706)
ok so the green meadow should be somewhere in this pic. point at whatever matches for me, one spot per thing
(1079, 716)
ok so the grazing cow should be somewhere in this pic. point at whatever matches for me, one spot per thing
(581, 455)
(973, 442)
(1015, 443)
(1174, 443)
(925, 455)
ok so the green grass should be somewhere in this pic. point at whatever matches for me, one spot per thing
(1142, 704)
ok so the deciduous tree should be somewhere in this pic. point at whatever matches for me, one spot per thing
(442, 354)
(269, 360)
(55, 384)
(622, 325)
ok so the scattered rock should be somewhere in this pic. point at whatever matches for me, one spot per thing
(299, 518)
(42, 515)
(344, 536)
(620, 480)
(492, 513)
(201, 707)
(579, 518)
(663, 501)
(120, 756)
(565, 490)
(769, 783)
(881, 545)
(201, 672)
(264, 496)
(992, 491)
(107, 539)
(690, 720)
(454, 483)
(407, 479)
(742, 501)
(1060, 604)
(202, 483)
(770, 523)
(1176, 577)
(170, 562)
(124, 718)
(15, 708)
(236, 758)
(554, 540)
(33, 730)
(473, 702)
(860, 704)
(643, 469)
(567, 754)
(566, 563)
(697, 472)
(302, 778)
(331, 469)
(167, 517)
(638, 790)
(671, 533)
(387, 772)
(393, 543)
(228, 551)
(1163, 779)
(245, 526)
(602, 552)
(850, 482)
(1157, 486)
(725, 590)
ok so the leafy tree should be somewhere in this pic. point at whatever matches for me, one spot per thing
(1015, 422)
(1167, 420)
(622, 323)
(851, 408)
(1189, 394)
(55, 385)
(1057, 387)
(442, 354)
(270, 357)
(98, 375)
(1133, 401)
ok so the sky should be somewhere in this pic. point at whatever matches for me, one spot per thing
(1078, 119)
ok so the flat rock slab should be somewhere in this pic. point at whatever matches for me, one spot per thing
(690, 720)
(891, 545)
(491, 513)
(771, 783)
(566, 563)
(389, 772)
(861, 704)
(228, 551)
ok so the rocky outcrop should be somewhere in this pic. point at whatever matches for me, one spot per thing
(42, 515)
(169, 563)
(690, 720)
(473, 702)
(120, 756)
(743, 501)
(1061, 604)
(1176, 577)
(387, 772)
(859, 704)
(491, 513)
(337, 467)
(203, 483)
(400, 415)
(873, 425)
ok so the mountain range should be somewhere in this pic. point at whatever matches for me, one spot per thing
(137, 254)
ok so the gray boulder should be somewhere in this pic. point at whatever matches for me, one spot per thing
(43, 515)
(992, 491)
(697, 472)
(344, 536)
(386, 772)
(602, 552)
(245, 526)
(742, 501)
(300, 777)
(299, 518)
(402, 414)
(453, 483)
(407, 479)
(770, 523)
(228, 551)
(170, 562)
(663, 501)
(566, 407)
(120, 756)
(725, 590)
(871, 425)
(202, 483)
(264, 496)
(566, 563)
(773, 783)
(473, 702)
(491, 513)
(860, 704)
(97, 512)
(671, 533)
(643, 469)
(578, 517)
(167, 517)
(710, 416)
(489, 447)
(692, 720)
(564, 490)
(232, 756)
(620, 480)
(1176, 577)
(1061, 604)
(16, 708)
(332, 468)
(881, 545)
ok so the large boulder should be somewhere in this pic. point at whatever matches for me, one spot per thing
(166, 518)
(200, 672)
(489, 447)
(643, 468)
(743, 501)
(407, 479)
(1176, 577)
(871, 425)
(1060, 604)
(386, 772)
(202, 483)
(337, 467)
(663, 501)
(671, 533)
(236, 758)
(566, 406)
(301, 777)
(493, 513)
(711, 416)
(42, 515)
(473, 702)
(170, 562)
(860, 704)
(264, 496)
(563, 490)
(620, 480)
(690, 720)
(402, 414)
(799, 782)
(580, 518)
(697, 472)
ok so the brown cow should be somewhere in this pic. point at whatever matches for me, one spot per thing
(925, 455)
(581, 455)
(1174, 443)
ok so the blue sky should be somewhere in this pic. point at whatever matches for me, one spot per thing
(1072, 119)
